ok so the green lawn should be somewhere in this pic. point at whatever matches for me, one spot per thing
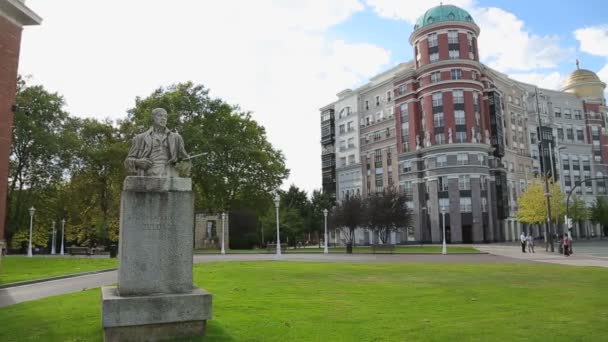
(288, 301)
(20, 268)
(358, 250)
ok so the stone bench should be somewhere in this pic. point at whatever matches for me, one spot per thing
(383, 248)
(78, 250)
(273, 247)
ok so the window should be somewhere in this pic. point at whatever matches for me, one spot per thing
(474, 75)
(464, 183)
(343, 161)
(407, 187)
(441, 161)
(577, 114)
(579, 134)
(482, 182)
(435, 77)
(438, 119)
(432, 39)
(454, 54)
(567, 114)
(434, 57)
(439, 139)
(459, 117)
(452, 37)
(481, 159)
(407, 166)
(437, 100)
(402, 89)
(510, 99)
(484, 204)
(557, 112)
(461, 137)
(351, 159)
(366, 104)
(388, 96)
(456, 74)
(458, 96)
(377, 101)
(532, 138)
(389, 160)
(350, 126)
(570, 134)
(342, 129)
(377, 135)
(351, 142)
(443, 184)
(462, 159)
(465, 204)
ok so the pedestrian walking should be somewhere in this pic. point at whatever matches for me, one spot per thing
(566, 243)
(530, 243)
(522, 238)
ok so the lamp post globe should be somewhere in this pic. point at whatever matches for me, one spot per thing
(277, 201)
(325, 250)
(32, 211)
(444, 249)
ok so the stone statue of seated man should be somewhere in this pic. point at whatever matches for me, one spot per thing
(158, 152)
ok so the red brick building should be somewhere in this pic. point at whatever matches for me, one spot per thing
(13, 16)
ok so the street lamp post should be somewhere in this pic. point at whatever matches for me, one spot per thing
(53, 239)
(325, 239)
(277, 201)
(444, 249)
(223, 228)
(29, 246)
(62, 234)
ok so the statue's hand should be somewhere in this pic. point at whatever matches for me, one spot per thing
(143, 163)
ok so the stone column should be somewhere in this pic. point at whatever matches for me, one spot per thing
(418, 204)
(455, 218)
(436, 235)
(478, 233)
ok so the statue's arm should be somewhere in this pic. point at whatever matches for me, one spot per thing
(131, 163)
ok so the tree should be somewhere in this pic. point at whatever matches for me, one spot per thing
(533, 204)
(599, 213)
(346, 217)
(39, 154)
(239, 164)
(386, 212)
(319, 202)
(578, 211)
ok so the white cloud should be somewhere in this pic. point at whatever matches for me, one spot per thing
(552, 80)
(504, 42)
(269, 57)
(593, 40)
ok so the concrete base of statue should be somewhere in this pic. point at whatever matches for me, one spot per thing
(155, 298)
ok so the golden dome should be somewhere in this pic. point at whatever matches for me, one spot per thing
(584, 83)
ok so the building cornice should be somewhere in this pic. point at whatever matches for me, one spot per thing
(18, 13)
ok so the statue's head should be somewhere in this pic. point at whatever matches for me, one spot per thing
(159, 117)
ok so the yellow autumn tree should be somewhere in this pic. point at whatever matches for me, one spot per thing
(533, 204)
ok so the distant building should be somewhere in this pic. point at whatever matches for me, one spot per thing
(13, 16)
(462, 139)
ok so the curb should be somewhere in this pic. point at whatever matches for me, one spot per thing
(35, 281)
(340, 253)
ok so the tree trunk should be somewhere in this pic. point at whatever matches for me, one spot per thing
(349, 248)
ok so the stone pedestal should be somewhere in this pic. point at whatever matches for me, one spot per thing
(155, 299)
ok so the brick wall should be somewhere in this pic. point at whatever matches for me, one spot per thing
(10, 41)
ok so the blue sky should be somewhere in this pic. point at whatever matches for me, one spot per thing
(542, 18)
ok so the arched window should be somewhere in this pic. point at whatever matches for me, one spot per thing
(468, 18)
(430, 20)
(451, 16)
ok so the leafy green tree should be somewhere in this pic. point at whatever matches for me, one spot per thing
(346, 217)
(578, 211)
(386, 212)
(239, 164)
(39, 155)
(318, 202)
(599, 213)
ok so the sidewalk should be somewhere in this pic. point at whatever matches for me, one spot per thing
(542, 256)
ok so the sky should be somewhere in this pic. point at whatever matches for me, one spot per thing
(283, 59)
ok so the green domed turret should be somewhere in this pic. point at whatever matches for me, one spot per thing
(443, 13)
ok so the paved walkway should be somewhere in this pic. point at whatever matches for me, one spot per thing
(514, 252)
